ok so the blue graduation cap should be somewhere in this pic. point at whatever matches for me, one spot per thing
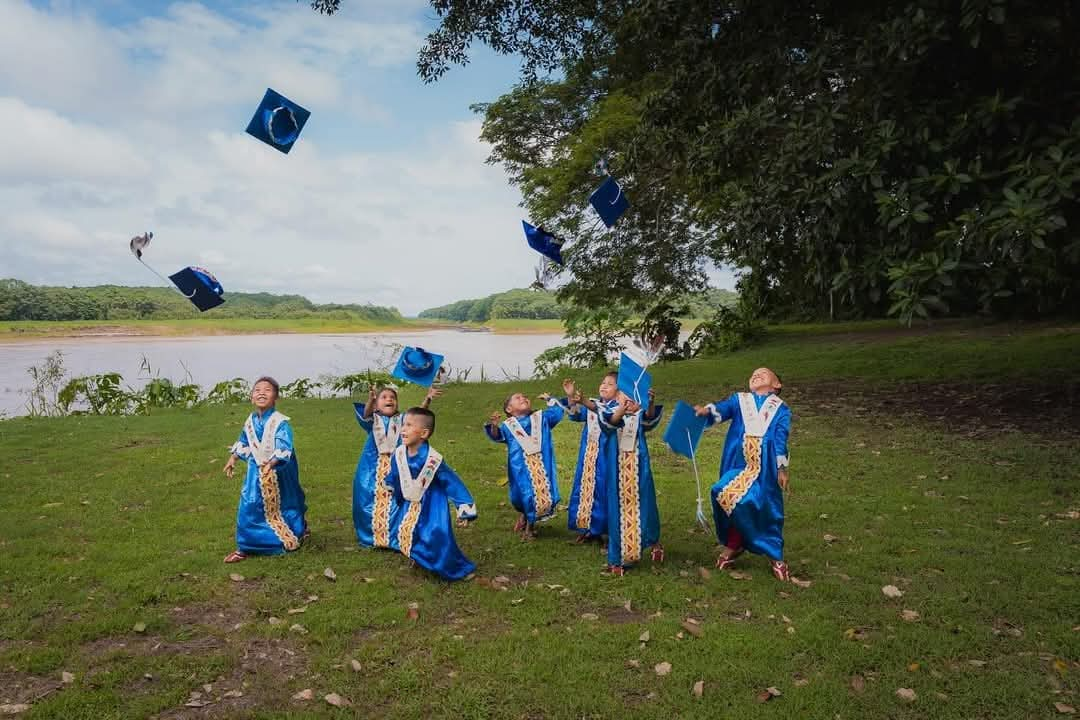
(543, 242)
(278, 121)
(609, 201)
(199, 286)
(634, 381)
(417, 365)
(684, 430)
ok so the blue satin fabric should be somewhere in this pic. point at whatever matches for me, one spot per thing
(520, 485)
(363, 504)
(648, 512)
(254, 535)
(759, 516)
(433, 545)
(606, 459)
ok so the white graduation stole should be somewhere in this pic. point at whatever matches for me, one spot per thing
(592, 423)
(628, 432)
(386, 436)
(413, 488)
(756, 421)
(263, 450)
(529, 441)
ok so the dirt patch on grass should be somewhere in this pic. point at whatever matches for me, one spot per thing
(104, 649)
(208, 615)
(971, 410)
(20, 688)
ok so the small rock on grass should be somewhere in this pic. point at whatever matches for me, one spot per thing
(236, 577)
(1064, 709)
(768, 694)
(909, 615)
(891, 591)
(662, 669)
(906, 694)
(307, 694)
(356, 665)
(336, 700)
(699, 688)
(329, 574)
(67, 678)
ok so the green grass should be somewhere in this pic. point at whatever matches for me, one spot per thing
(109, 522)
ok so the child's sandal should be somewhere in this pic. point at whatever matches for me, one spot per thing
(235, 556)
(780, 570)
(658, 554)
(616, 570)
(583, 538)
(723, 563)
(520, 524)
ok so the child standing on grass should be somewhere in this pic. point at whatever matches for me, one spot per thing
(422, 485)
(270, 519)
(748, 499)
(597, 456)
(373, 503)
(530, 458)
(633, 516)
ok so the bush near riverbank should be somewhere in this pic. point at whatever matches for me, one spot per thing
(935, 462)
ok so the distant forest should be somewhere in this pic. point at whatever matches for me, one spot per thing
(22, 301)
(540, 305)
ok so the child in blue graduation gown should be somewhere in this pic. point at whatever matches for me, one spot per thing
(373, 503)
(748, 499)
(270, 519)
(530, 458)
(423, 485)
(597, 456)
(633, 516)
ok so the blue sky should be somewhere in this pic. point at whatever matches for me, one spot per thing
(122, 116)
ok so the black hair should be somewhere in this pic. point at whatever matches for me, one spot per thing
(612, 373)
(779, 381)
(273, 383)
(506, 402)
(429, 417)
(386, 388)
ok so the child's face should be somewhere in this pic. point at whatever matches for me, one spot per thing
(764, 380)
(519, 404)
(387, 403)
(263, 395)
(413, 432)
(609, 388)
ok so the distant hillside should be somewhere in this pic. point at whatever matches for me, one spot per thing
(512, 304)
(532, 304)
(22, 301)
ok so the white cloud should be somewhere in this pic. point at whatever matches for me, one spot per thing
(118, 130)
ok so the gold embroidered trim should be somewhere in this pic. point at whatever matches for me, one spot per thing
(380, 514)
(588, 485)
(408, 525)
(538, 476)
(271, 497)
(730, 496)
(629, 508)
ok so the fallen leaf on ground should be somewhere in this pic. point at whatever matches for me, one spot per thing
(297, 611)
(307, 694)
(768, 694)
(705, 574)
(197, 703)
(627, 607)
(67, 678)
(275, 620)
(736, 575)
(913, 667)
(977, 663)
(13, 708)
(312, 598)
(644, 637)
(891, 591)
(941, 696)
(800, 682)
(236, 577)
(589, 616)
(336, 700)
(234, 694)
(1060, 666)
(693, 628)
(829, 538)
(356, 664)
(662, 669)
(801, 583)
(329, 574)
(413, 611)
(297, 628)
(517, 601)
(1064, 709)
(139, 627)
(906, 694)
(858, 683)
(633, 663)
(909, 615)
(501, 579)
(699, 688)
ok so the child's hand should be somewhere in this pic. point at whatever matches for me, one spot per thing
(433, 393)
(495, 419)
(632, 407)
(463, 523)
(701, 410)
(782, 478)
(371, 394)
(569, 387)
(652, 396)
(544, 396)
(230, 465)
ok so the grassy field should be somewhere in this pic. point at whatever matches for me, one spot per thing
(941, 463)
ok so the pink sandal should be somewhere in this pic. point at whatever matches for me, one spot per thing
(520, 524)
(780, 570)
(616, 570)
(658, 553)
(723, 563)
(235, 556)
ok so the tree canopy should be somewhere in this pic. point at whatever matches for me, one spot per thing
(905, 157)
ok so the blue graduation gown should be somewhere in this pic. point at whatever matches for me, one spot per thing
(270, 518)
(372, 467)
(423, 529)
(633, 516)
(758, 512)
(522, 492)
(597, 456)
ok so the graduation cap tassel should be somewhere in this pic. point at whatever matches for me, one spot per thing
(700, 515)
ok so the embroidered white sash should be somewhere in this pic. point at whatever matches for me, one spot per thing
(756, 421)
(263, 450)
(628, 432)
(592, 423)
(529, 441)
(386, 435)
(413, 488)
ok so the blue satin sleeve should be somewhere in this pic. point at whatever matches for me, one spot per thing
(241, 448)
(579, 414)
(283, 442)
(456, 492)
(780, 436)
(554, 413)
(365, 423)
(726, 409)
(648, 424)
(489, 431)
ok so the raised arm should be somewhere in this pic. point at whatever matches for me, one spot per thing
(720, 411)
(492, 428)
(554, 412)
(363, 416)
(432, 393)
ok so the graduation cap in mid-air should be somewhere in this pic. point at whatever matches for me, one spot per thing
(278, 121)
(634, 381)
(684, 430)
(418, 366)
(195, 283)
(609, 201)
(543, 242)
